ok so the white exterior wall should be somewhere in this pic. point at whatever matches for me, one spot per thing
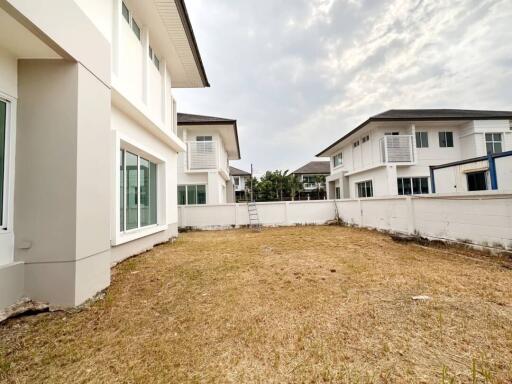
(468, 140)
(215, 179)
(504, 173)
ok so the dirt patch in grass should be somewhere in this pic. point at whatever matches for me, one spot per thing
(305, 304)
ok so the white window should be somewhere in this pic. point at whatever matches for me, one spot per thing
(493, 142)
(153, 57)
(365, 189)
(236, 180)
(191, 194)
(366, 138)
(446, 139)
(337, 160)
(138, 192)
(421, 139)
(127, 15)
(356, 143)
(412, 185)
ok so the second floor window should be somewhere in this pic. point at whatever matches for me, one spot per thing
(446, 139)
(421, 139)
(366, 138)
(127, 15)
(493, 142)
(356, 143)
(337, 160)
(237, 180)
(204, 138)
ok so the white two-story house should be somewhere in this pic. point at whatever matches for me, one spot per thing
(312, 175)
(241, 182)
(392, 153)
(89, 145)
(203, 169)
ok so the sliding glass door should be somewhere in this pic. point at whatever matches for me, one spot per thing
(138, 192)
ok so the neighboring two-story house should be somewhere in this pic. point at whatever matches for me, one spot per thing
(89, 145)
(392, 153)
(240, 181)
(203, 169)
(312, 175)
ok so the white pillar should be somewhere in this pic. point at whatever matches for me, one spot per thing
(165, 94)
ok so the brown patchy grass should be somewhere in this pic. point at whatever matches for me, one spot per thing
(303, 304)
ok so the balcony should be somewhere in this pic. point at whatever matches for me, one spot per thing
(397, 149)
(313, 186)
(206, 155)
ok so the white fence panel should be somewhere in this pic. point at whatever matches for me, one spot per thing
(482, 218)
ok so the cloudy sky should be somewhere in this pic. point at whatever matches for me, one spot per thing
(298, 74)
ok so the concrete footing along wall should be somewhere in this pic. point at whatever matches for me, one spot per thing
(11, 283)
(133, 248)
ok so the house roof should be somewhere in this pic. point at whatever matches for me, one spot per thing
(426, 115)
(237, 172)
(182, 10)
(314, 168)
(185, 119)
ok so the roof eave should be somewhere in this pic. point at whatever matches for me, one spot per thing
(187, 25)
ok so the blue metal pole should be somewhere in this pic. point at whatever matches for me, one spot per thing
(492, 171)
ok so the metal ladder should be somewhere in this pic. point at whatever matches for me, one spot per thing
(337, 212)
(254, 220)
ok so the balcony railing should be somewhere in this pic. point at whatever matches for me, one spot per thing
(397, 149)
(205, 155)
(313, 185)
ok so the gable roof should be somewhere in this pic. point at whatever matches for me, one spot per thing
(314, 168)
(237, 172)
(426, 115)
(190, 119)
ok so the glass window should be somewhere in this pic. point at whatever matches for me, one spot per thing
(356, 143)
(421, 139)
(338, 193)
(150, 52)
(156, 61)
(338, 159)
(121, 190)
(365, 189)
(236, 180)
(182, 195)
(136, 28)
(3, 128)
(125, 12)
(392, 133)
(493, 142)
(191, 194)
(132, 185)
(446, 139)
(477, 181)
(138, 192)
(412, 185)
(366, 138)
(201, 194)
(204, 138)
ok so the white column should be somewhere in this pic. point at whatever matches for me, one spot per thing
(413, 149)
(391, 174)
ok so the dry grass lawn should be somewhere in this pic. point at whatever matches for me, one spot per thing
(286, 305)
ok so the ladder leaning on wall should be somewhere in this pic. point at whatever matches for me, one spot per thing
(254, 220)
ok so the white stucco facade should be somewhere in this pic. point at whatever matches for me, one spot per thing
(90, 150)
(386, 156)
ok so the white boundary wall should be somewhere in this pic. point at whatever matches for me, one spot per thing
(479, 218)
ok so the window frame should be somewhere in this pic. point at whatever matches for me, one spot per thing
(400, 180)
(493, 142)
(365, 184)
(196, 197)
(131, 21)
(340, 156)
(486, 180)
(421, 139)
(365, 139)
(127, 143)
(139, 226)
(8, 169)
(236, 181)
(446, 134)
(356, 144)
